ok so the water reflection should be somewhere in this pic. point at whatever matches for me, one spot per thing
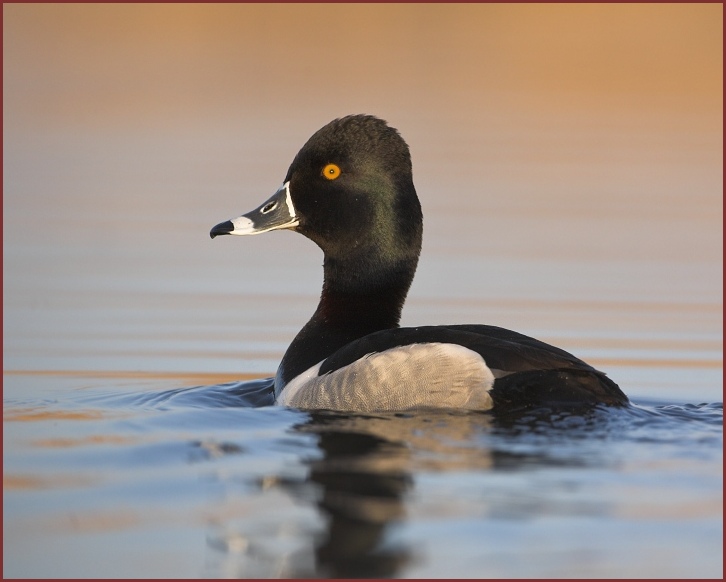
(283, 493)
(365, 474)
(342, 495)
(364, 479)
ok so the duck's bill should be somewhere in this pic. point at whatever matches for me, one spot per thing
(273, 214)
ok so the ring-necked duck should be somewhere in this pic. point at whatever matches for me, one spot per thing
(350, 190)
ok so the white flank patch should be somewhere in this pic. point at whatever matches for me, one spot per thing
(432, 375)
(296, 384)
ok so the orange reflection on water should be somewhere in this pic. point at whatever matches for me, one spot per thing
(192, 378)
(37, 482)
(97, 439)
(35, 414)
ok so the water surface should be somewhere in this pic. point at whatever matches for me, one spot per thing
(124, 481)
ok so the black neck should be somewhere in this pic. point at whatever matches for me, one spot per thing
(356, 300)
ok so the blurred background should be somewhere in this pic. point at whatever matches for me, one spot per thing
(569, 161)
(568, 158)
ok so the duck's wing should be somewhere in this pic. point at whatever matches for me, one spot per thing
(529, 373)
(504, 351)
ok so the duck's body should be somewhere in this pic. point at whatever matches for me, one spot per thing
(350, 190)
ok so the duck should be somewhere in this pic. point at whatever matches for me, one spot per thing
(350, 190)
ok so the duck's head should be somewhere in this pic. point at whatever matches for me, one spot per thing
(350, 190)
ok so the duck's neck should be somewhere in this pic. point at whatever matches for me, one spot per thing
(358, 298)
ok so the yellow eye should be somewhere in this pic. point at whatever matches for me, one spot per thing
(331, 171)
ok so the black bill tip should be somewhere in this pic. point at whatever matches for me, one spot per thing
(222, 228)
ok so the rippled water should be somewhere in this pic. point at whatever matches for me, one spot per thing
(569, 161)
(123, 481)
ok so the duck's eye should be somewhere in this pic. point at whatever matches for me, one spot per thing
(331, 171)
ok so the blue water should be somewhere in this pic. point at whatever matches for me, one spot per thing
(198, 481)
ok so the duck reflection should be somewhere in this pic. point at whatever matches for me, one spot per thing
(364, 479)
(365, 473)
